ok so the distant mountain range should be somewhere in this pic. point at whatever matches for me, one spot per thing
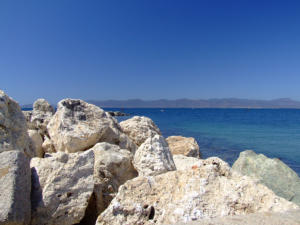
(200, 103)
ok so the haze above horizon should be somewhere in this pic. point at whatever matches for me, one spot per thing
(149, 50)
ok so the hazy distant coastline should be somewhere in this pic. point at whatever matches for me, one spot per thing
(191, 103)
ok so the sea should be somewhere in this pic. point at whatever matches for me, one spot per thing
(227, 132)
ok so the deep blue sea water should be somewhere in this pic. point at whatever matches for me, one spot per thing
(226, 132)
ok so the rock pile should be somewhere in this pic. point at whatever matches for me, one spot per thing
(78, 165)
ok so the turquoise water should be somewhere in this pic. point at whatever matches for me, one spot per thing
(226, 132)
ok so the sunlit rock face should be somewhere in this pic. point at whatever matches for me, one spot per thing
(203, 191)
(13, 127)
(139, 129)
(62, 185)
(153, 157)
(186, 146)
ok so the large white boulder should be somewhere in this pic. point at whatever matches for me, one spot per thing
(15, 186)
(113, 167)
(153, 157)
(13, 127)
(62, 185)
(77, 126)
(184, 146)
(139, 128)
(201, 192)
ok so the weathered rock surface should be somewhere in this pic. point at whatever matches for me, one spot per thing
(62, 185)
(77, 126)
(15, 186)
(183, 162)
(153, 157)
(36, 142)
(139, 128)
(211, 190)
(267, 218)
(48, 146)
(183, 145)
(41, 115)
(118, 113)
(271, 172)
(13, 127)
(112, 168)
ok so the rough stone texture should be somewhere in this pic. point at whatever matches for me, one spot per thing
(48, 146)
(271, 172)
(77, 126)
(13, 127)
(183, 162)
(267, 218)
(15, 186)
(28, 115)
(41, 114)
(139, 128)
(62, 185)
(153, 157)
(211, 190)
(183, 145)
(112, 168)
(113, 135)
(36, 141)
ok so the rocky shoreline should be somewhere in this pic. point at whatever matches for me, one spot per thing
(78, 165)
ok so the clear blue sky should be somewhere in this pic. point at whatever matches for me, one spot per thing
(149, 49)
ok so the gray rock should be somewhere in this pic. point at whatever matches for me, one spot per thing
(13, 127)
(15, 186)
(271, 172)
(62, 186)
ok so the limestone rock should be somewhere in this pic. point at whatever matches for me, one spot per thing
(77, 126)
(139, 128)
(153, 157)
(41, 114)
(62, 185)
(112, 168)
(113, 135)
(183, 162)
(47, 146)
(37, 142)
(15, 186)
(183, 145)
(13, 127)
(271, 172)
(204, 192)
(289, 217)
(28, 115)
